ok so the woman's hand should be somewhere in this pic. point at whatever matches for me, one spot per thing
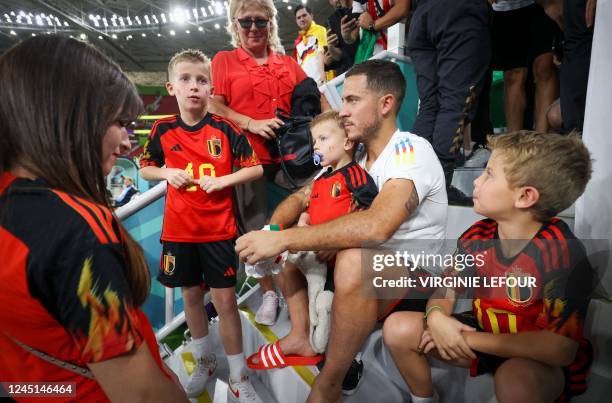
(444, 333)
(265, 127)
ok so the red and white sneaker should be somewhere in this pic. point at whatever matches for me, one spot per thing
(242, 392)
(204, 370)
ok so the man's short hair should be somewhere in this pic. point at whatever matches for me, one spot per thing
(189, 55)
(330, 115)
(300, 7)
(559, 167)
(383, 77)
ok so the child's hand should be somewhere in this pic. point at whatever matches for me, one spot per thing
(177, 178)
(325, 256)
(304, 220)
(211, 184)
(444, 333)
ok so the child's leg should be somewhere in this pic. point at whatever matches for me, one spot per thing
(528, 381)
(230, 329)
(402, 335)
(196, 318)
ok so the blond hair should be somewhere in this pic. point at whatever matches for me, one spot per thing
(327, 116)
(559, 167)
(268, 8)
(188, 55)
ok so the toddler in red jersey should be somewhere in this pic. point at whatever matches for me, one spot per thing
(340, 188)
(195, 152)
(530, 338)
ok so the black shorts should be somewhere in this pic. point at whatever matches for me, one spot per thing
(575, 374)
(186, 264)
(519, 36)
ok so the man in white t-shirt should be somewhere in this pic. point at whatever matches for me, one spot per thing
(411, 204)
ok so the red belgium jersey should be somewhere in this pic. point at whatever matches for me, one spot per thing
(63, 288)
(212, 147)
(336, 193)
(554, 258)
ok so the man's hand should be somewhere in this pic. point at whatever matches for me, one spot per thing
(258, 245)
(177, 178)
(211, 184)
(332, 39)
(349, 29)
(265, 127)
(364, 20)
(445, 335)
(589, 12)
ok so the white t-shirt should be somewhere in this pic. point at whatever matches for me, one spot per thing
(408, 156)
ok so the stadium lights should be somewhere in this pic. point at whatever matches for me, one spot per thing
(172, 32)
(200, 29)
(13, 33)
(217, 26)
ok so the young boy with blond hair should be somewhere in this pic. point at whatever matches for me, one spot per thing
(195, 152)
(530, 336)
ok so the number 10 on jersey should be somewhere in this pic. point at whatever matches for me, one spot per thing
(206, 169)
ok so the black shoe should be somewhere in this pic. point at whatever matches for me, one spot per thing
(457, 198)
(352, 378)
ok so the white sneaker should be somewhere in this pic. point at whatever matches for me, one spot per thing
(268, 311)
(242, 392)
(205, 368)
(478, 158)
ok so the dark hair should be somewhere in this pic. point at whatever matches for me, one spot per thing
(71, 94)
(383, 77)
(300, 7)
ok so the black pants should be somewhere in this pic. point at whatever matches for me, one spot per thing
(574, 74)
(449, 44)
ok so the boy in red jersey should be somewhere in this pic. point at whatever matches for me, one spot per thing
(199, 150)
(530, 338)
(340, 188)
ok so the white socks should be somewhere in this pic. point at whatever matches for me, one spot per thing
(201, 347)
(237, 366)
(430, 399)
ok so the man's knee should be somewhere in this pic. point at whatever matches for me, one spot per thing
(348, 271)
(543, 68)
(515, 78)
(402, 329)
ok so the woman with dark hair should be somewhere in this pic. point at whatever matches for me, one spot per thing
(76, 276)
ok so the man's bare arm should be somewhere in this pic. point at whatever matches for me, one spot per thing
(288, 211)
(396, 14)
(394, 204)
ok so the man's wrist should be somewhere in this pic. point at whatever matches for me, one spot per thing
(372, 26)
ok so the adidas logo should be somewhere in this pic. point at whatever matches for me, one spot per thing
(176, 147)
(229, 272)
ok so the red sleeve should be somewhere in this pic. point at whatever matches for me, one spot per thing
(153, 153)
(300, 75)
(220, 68)
(566, 294)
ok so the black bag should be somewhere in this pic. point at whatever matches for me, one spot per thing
(294, 144)
(295, 147)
